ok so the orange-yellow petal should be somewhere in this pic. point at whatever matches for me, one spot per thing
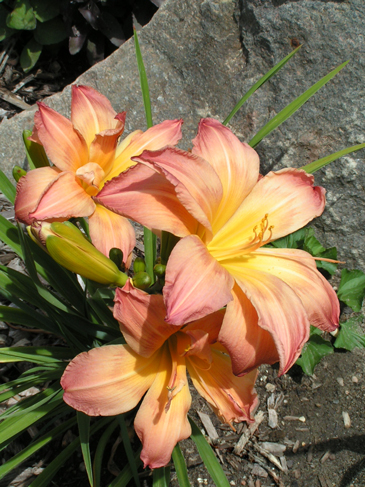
(200, 194)
(108, 380)
(91, 113)
(236, 164)
(210, 324)
(232, 398)
(287, 199)
(63, 199)
(141, 318)
(247, 343)
(155, 138)
(161, 420)
(102, 148)
(279, 309)
(64, 145)
(195, 284)
(30, 189)
(109, 230)
(148, 198)
(298, 269)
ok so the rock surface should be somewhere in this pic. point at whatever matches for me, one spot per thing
(202, 55)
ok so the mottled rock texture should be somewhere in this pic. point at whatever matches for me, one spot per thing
(202, 55)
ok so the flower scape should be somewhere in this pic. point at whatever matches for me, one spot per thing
(227, 301)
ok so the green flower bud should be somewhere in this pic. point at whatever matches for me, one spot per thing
(159, 270)
(69, 248)
(141, 280)
(18, 172)
(139, 265)
(116, 255)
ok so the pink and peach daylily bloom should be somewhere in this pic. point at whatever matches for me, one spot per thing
(215, 199)
(112, 379)
(85, 155)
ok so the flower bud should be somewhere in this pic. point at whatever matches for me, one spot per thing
(141, 280)
(139, 265)
(68, 247)
(159, 270)
(18, 172)
(116, 255)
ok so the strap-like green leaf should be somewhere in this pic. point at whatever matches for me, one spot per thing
(210, 461)
(50, 471)
(83, 422)
(7, 188)
(99, 453)
(293, 107)
(319, 163)
(161, 477)
(259, 83)
(9, 235)
(125, 476)
(128, 449)
(37, 355)
(180, 467)
(35, 152)
(34, 447)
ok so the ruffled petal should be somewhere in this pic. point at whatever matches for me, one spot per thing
(109, 230)
(195, 284)
(155, 138)
(91, 113)
(63, 199)
(298, 269)
(65, 147)
(161, 421)
(279, 309)
(30, 190)
(236, 164)
(246, 342)
(232, 398)
(200, 194)
(149, 199)
(141, 318)
(108, 380)
(102, 148)
(286, 199)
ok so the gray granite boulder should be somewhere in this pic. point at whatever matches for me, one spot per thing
(202, 55)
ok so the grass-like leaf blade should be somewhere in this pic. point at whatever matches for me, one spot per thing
(36, 154)
(35, 446)
(161, 477)
(7, 188)
(37, 355)
(259, 83)
(128, 449)
(293, 107)
(83, 421)
(319, 163)
(50, 471)
(207, 455)
(180, 467)
(125, 476)
(99, 453)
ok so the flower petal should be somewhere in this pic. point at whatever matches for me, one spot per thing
(155, 138)
(287, 197)
(236, 164)
(148, 198)
(141, 318)
(63, 199)
(279, 309)
(246, 342)
(210, 324)
(195, 284)
(298, 269)
(102, 148)
(161, 421)
(108, 380)
(109, 230)
(232, 398)
(65, 147)
(30, 189)
(199, 194)
(91, 113)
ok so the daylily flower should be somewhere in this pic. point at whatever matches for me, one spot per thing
(112, 379)
(226, 213)
(85, 155)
